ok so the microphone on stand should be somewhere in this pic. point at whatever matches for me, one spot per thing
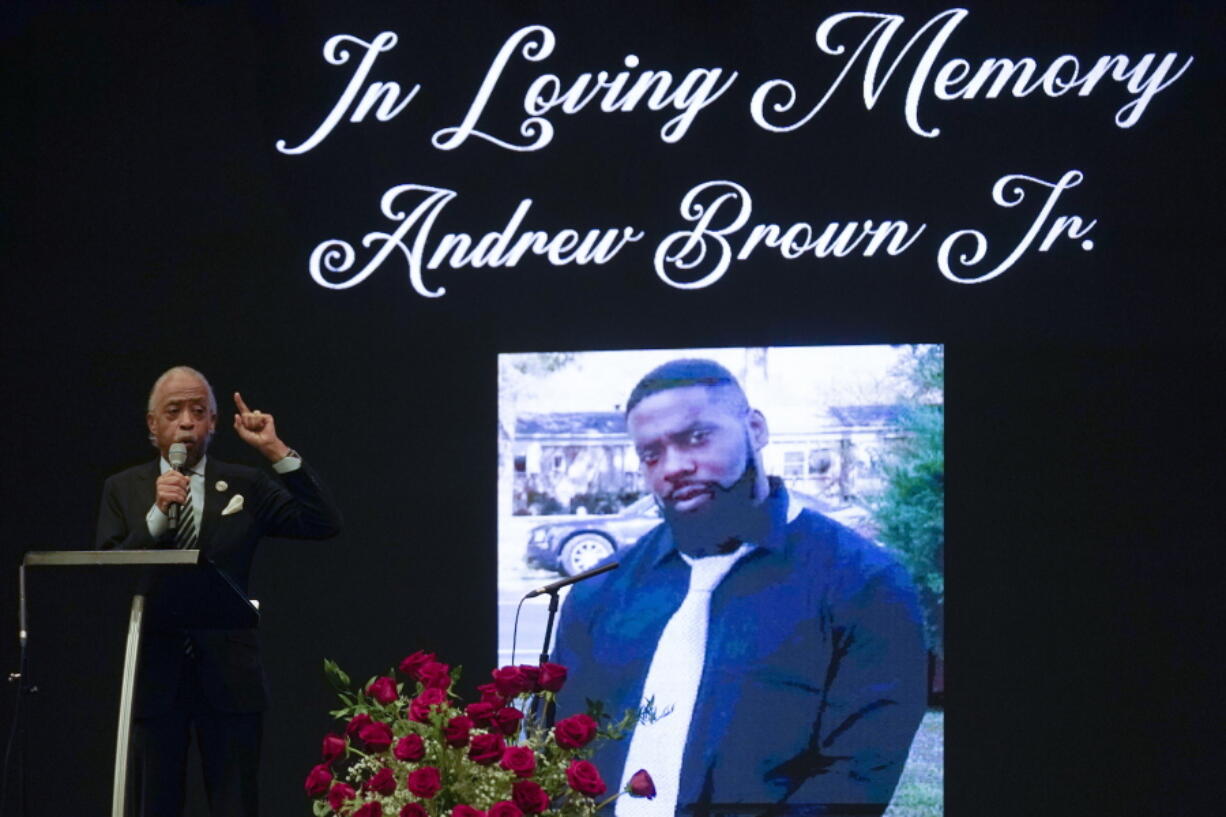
(569, 580)
(177, 457)
(552, 590)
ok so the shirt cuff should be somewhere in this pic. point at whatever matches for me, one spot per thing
(157, 522)
(290, 462)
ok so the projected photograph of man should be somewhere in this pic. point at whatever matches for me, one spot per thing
(777, 515)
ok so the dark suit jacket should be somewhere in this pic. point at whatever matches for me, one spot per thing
(294, 505)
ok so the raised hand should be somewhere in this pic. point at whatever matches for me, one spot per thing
(258, 430)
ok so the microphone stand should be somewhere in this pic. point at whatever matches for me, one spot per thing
(21, 679)
(553, 611)
(552, 589)
(550, 708)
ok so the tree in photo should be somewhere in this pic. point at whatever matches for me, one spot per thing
(909, 511)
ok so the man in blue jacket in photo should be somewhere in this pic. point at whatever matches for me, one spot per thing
(784, 651)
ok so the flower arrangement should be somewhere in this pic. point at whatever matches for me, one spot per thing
(410, 749)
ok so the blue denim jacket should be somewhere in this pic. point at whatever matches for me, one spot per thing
(814, 679)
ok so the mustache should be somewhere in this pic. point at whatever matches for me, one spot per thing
(747, 476)
(678, 487)
(190, 439)
(708, 485)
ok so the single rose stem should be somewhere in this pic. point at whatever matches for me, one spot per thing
(599, 806)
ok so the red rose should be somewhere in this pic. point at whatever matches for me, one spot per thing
(384, 782)
(552, 677)
(334, 747)
(505, 808)
(486, 749)
(518, 759)
(377, 736)
(466, 811)
(382, 690)
(489, 695)
(414, 810)
(531, 675)
(371, 809)
(481, 713)
(356, 724)
(529, 796)
(641, 785)
(583, 778)
(435, 675)
(338, 794)
(456, 730)
(509, 682)
(419, 710)
(410, 665)
(574, 732)
(507, 719)
(425, 782)
(410, 748)
(318, 780)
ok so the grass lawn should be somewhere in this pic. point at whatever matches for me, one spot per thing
(921, 790)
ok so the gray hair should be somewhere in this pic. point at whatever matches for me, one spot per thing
(187, 370)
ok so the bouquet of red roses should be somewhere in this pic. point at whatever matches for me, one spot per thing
(410, 749)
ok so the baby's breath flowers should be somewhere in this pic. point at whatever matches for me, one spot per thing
(409, 748)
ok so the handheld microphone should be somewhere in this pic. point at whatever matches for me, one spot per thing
(177, 457)
(578, 577)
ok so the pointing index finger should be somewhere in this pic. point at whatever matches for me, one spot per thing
(242, 407)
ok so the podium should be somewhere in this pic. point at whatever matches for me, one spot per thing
(170, 589)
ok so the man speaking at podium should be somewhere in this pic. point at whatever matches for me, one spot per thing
(211, 680)
(783, 651)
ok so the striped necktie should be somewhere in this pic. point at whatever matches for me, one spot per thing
(186, 535)
(185, 539)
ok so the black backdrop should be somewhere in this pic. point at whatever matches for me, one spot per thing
(150, 221)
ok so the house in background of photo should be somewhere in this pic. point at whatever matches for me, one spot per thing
(575, 462)
(583, 463)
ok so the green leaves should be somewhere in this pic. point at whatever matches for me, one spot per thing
(618, 730)
(466, 762)
(909, 512)
(336, 676)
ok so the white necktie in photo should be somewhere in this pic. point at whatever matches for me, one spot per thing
(672, 680)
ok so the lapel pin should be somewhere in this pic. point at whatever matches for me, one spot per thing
(221, 485)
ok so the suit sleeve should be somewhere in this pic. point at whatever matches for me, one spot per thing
(120, 527)
(296, 505)
(874, 698)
